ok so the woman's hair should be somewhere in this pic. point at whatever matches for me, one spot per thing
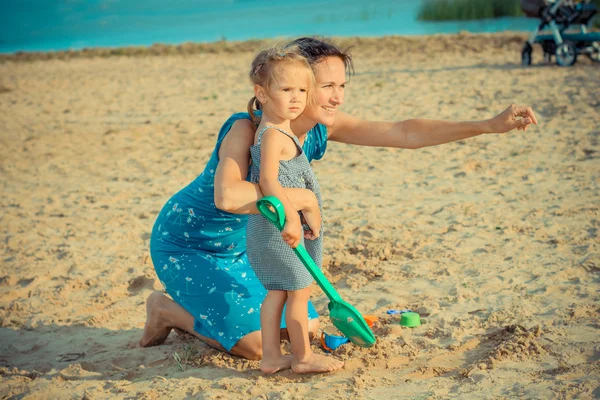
(263, 72)
(315, 50)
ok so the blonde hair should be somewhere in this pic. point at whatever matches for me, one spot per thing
(264, 73)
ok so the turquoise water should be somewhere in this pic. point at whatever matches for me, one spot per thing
(43, 25)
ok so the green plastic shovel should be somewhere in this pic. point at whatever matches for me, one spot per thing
(344, 316)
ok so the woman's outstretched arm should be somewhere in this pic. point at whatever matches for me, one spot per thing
(417, 133)
(232, 192)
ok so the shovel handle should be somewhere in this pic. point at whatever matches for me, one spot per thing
(272, 209)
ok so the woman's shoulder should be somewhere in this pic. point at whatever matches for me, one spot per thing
(239, 120)
(240, 116)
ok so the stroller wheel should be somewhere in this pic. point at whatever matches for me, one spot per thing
(566, 54)
(526, 55)
(595, 54)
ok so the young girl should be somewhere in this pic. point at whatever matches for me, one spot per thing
(282, 81)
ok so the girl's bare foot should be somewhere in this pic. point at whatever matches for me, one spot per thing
(278, 364)
(316, 363)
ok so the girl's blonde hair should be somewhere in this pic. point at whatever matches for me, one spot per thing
(264, 73)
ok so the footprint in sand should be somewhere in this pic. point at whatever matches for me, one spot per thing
(128, 362)
(140, 283)
(91, 367)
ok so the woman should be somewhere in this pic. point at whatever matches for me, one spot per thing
(227, 171)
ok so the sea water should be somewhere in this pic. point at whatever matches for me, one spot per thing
(45, 25)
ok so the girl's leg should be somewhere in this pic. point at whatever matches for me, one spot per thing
(250, 346)
(313, 330)
(304, 360)
(270, 322)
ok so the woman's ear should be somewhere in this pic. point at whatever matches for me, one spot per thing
(260, 93)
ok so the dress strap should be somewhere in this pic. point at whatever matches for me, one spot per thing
(293, 137)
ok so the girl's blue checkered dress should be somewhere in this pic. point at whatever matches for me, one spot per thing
(274, 262)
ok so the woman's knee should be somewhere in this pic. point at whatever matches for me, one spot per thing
(250, 347)
(313, 326)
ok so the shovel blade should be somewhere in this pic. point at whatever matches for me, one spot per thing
(350, 322)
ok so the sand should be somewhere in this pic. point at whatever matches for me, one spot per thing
(494, 240)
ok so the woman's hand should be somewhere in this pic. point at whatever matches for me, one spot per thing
(311, 216)
(292, 231)
(514, 116)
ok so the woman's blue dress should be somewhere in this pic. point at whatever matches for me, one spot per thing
(199, 253)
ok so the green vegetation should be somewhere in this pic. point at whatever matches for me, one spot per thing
(444, 10)
(460, 10)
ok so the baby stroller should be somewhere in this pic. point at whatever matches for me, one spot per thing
(558, 16)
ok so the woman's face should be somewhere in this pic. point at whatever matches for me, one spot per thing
(330, 78)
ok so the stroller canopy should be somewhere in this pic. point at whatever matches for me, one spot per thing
(533, 8)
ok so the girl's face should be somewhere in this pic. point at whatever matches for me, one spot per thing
(330, 78)
(287, 96)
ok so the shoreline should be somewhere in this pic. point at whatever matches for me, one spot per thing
(251, 45)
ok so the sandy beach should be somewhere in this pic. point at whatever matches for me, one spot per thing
(493, 240)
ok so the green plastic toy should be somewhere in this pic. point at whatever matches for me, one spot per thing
(344, 316)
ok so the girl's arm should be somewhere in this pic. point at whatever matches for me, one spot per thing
(417, 133)
(232, 192)
(271, 150)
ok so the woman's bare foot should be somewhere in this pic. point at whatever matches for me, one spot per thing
(180, 332)
(279, 364)
(157, 328)
(316, 363)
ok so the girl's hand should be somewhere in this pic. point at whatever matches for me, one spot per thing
(514, 116)
(312, 217)
(292, 231)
